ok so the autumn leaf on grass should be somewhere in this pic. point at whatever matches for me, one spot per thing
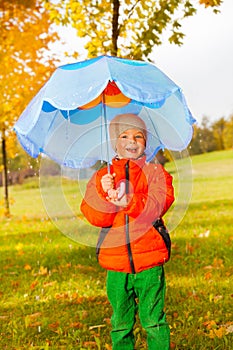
(49, 284)
(76, 299)
(217, 298)
(84, 267)
(107, 320)
(35, 324)
(35, 315)
(33, 284)
(218, 263)
(31, 320)
(78, 325)
(4, 317)
(15, 284)
(210, 324)
(91, 344)
(62, 295)
(19, 248)
(108, 347)
(189, 248)
(54, 327)
(24, 218)
(27, 267)
(85, 314)
(208, 276)
(229, 328)
(43, 271)
(219, 333)
(208, 267)
(193, 295)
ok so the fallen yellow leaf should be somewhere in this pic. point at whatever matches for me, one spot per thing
(27, 267)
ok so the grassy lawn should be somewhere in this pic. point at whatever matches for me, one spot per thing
(52, 291)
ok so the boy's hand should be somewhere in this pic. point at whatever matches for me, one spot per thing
(112, 194)
(123, 202)
(107, 182)
(118, 193)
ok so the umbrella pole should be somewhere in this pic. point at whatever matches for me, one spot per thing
(106, 130)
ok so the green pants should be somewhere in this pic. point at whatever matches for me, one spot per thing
(149, 288)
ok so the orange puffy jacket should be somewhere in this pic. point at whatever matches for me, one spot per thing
(128, 241)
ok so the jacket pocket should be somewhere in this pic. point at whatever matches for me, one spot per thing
(162, 230)
(103, 233)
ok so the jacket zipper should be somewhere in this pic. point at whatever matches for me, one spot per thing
(130, 255)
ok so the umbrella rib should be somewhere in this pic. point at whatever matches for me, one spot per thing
(49, 128)
(156, 133)
(153, 124)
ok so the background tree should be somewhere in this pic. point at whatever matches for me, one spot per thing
(207, 141)
(203, 139)
(24, 64)
(228, 134)
(129, 28)
(214, 136)
(218, 128)
(195, 146)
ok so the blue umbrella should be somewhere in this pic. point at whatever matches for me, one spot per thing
(68, 119)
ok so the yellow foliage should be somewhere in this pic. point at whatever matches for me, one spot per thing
(219, 333)
(24, 41)
(11, 145)
(212, 3)
(134, 21)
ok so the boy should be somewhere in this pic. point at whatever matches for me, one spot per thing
(128, 203)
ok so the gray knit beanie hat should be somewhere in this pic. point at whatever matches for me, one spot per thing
(123, 122)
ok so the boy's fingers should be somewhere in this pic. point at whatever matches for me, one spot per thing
(108, 177)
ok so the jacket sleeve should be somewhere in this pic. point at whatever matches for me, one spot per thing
(97, 210)
(153, 203)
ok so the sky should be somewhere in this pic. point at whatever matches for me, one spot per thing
(202, 66)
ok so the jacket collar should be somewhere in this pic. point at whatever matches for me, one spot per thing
(133, 163)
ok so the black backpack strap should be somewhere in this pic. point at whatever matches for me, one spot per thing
(162, 230)
(102, 235)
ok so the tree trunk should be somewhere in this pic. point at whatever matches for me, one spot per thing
(4, 175)
(115, 26)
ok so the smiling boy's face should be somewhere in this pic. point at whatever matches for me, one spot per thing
(131, 144)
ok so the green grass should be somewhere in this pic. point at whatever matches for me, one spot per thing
(52, 291)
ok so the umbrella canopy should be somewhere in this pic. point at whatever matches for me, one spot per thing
(68, 119)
